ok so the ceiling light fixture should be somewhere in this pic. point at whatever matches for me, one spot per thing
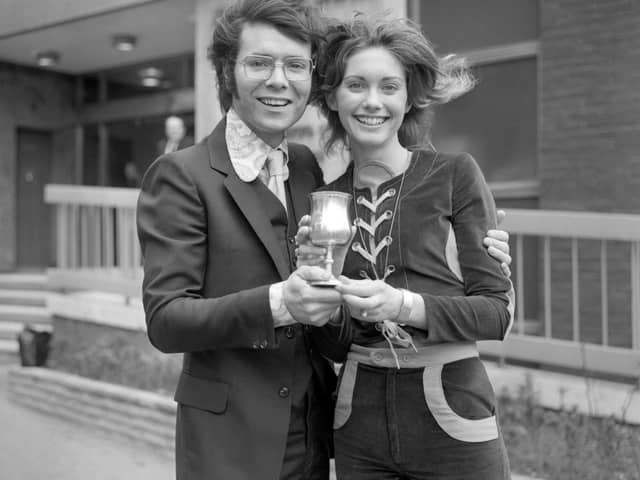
(123, 42)
(150, 81)
(47, 59)
(151, 72)
(151, 76)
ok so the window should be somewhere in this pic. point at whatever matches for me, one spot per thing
(497, 121)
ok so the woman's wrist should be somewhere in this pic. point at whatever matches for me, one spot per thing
(412, 311)
(404, 314)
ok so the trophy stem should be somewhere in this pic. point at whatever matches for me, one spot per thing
(328, 266)
(328, 262)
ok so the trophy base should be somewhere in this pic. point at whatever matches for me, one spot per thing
(331, 283)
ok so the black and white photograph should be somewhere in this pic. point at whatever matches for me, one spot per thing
(320, 239)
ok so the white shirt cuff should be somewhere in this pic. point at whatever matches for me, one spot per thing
(279, 312)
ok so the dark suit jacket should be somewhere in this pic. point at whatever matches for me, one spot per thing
(210, 255)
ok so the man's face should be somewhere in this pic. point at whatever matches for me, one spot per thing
(174, 128)
(269, 107)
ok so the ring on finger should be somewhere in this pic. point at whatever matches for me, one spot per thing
(364, 313)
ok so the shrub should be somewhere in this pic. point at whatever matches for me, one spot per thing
(565, 444)
(113, 355)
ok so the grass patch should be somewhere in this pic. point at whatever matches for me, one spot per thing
(115, 356)
(565, 444)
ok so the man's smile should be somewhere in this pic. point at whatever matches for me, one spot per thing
(274, 102)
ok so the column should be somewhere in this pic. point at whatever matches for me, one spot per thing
(207, 107)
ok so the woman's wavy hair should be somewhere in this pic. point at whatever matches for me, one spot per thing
(297, 19)
(430, 79)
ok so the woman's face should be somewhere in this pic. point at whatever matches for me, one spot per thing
(371, 100)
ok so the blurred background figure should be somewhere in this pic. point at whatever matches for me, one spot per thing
(132, 175)
(176, 137)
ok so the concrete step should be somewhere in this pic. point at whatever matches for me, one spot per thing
(122, 411)
(24, 314)
(9, 352)
(23, 281)
(30, 298)
(10, 330)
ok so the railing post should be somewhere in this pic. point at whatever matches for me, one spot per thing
(73, 235)
(547, 286)
(108, 250)
(520, 283)
(575, 290)
(635, 294)
(604, 292)
(137, 253)
(62, 227)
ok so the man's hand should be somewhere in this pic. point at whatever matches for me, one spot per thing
(309, 254)
(497, 243)
(308, 304)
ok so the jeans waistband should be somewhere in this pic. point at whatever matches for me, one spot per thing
(409, 358)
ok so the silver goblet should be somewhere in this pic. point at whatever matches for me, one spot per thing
(330, 226)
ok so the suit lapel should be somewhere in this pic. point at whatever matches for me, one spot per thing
(245, 196)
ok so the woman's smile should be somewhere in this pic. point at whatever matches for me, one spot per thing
(370, 120)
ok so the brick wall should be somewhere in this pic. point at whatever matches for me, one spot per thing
(590, 105)
(589, 143)
(30, 99)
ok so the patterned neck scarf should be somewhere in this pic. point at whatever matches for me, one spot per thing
(247, 151)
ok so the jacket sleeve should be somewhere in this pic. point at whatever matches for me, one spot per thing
(333, 340)
(485, 312)
(172, 229)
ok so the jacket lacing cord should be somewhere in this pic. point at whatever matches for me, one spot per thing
(391, 331)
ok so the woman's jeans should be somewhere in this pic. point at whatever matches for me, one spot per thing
(434, 418)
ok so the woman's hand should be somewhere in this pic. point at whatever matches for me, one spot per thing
(370, 300)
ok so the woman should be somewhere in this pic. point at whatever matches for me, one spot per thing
(414, 400)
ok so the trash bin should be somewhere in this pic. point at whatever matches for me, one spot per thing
(34, 346)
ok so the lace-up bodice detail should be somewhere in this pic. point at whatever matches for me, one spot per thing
(440, 194)
(373, 219)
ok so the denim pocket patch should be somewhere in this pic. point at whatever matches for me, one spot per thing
(456, 426)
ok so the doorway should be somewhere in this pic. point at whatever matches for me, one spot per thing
(33, 232)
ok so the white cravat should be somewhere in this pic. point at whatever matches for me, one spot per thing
(276, 170)
(171, 146)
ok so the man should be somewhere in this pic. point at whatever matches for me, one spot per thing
(218, 245)
(176, 139)
(216, 223)
(175, 136)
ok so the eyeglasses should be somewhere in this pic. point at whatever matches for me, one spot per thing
(260, 67)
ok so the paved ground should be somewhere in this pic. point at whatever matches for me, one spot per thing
(34, 446)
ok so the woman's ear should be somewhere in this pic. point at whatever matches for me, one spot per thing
(407, 109)
(330, 98)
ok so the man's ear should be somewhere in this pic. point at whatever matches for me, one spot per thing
(331, 101)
